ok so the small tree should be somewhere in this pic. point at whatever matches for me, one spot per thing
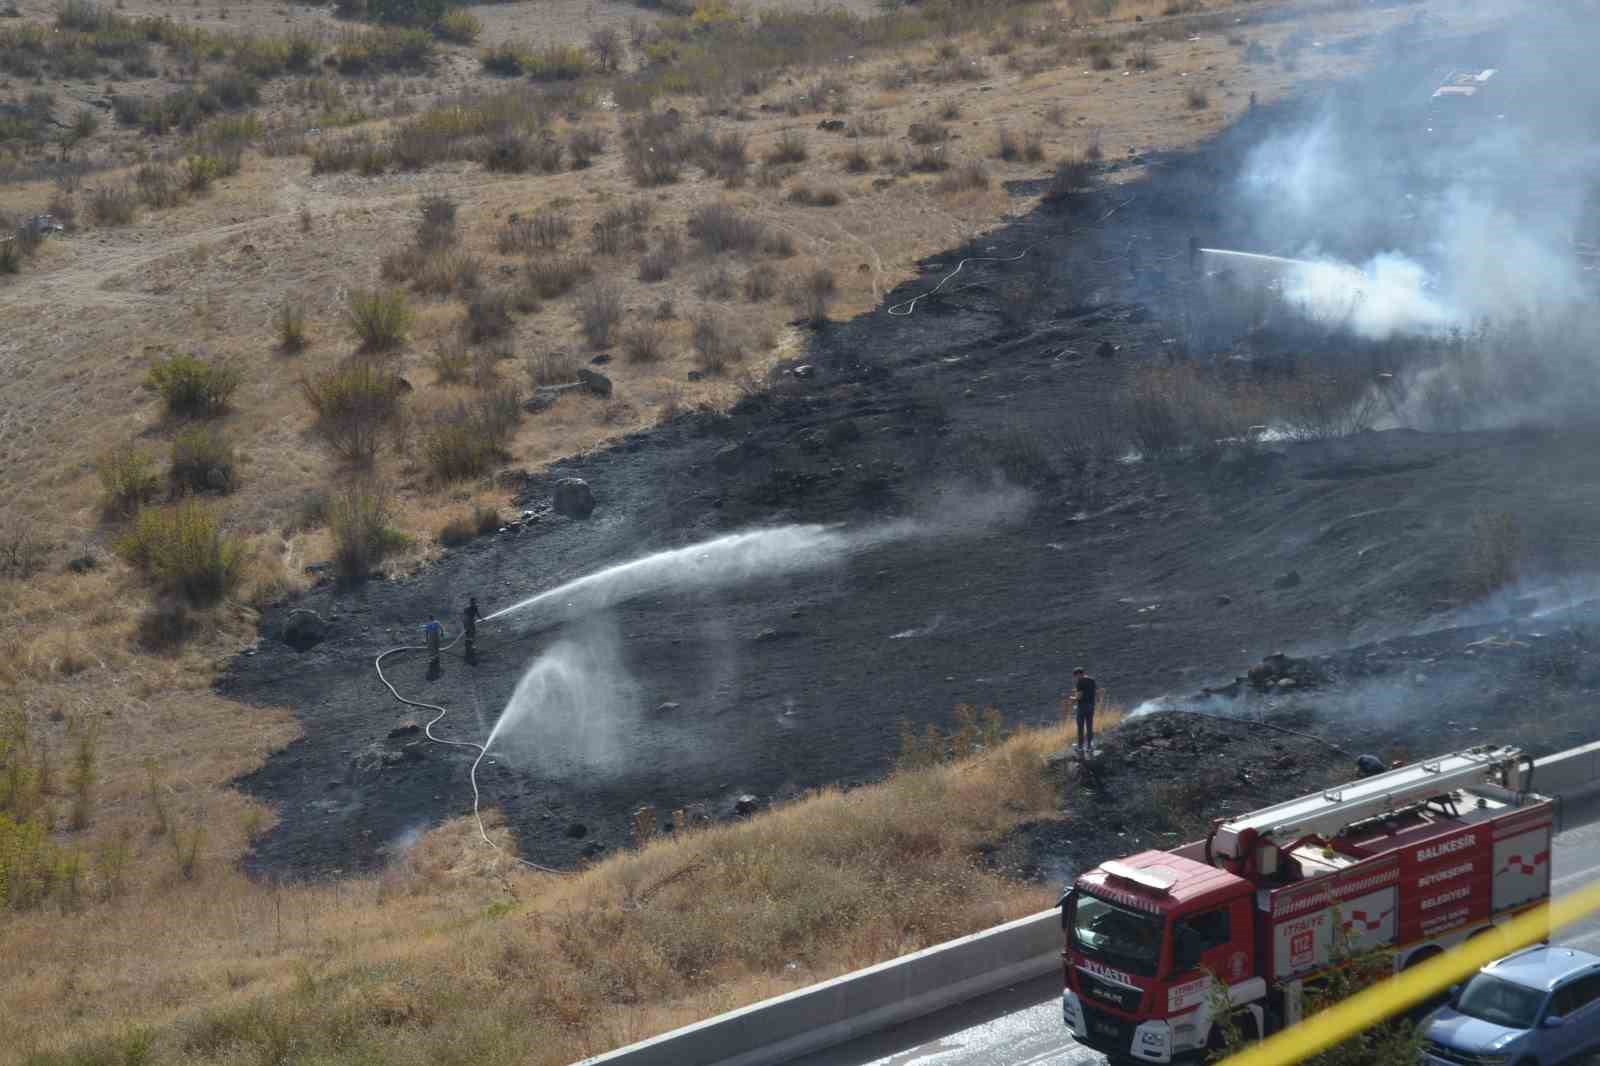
(1395, 1042)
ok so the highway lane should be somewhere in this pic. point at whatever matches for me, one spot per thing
(1021, 1026)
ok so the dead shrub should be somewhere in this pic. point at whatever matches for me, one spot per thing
(721, 228)
(727, 158)
(1007, 146)
(644, 342)
(1072, 180)
(716, 285)
(359, 518)
(715, 344)
(969, 176)
(814, 295)
(761, 283)
(1196, 98)
(553, 368)
(291, 324)
(657, 265)
(488, 316)
(450, 359)
(929, 159)
(464, 441)
(436, 221)
(556, 276)
(583, 144)
(599, 310)
(925, 133)
(112, 205)
(809, 196)
(856, 160)
(790, 147)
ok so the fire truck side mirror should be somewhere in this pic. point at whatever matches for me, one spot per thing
(1065, 903)
(1454, 994)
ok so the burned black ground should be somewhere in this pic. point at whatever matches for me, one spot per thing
(1160, 577)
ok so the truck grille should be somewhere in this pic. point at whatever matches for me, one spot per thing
(1106, 1032)
(1122, 998)
(1465, 1058)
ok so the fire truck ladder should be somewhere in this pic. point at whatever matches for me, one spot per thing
(1326, 813)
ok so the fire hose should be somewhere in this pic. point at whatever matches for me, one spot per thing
(481, 749)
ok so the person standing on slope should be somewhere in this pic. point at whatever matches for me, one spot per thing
(469, 628)
(1084, 693)
(433, 632)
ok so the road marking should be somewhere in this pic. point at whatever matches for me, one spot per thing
(1587, 874)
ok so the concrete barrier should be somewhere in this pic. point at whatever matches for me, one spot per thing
(859, 1003)
(1572, 779)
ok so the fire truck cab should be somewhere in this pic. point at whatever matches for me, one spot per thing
(1415, 859)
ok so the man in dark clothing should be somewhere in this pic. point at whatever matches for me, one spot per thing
(1084, 691)
(469, 628)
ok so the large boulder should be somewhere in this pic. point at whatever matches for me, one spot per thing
(594, 381)
(573, 498)
(304, 630)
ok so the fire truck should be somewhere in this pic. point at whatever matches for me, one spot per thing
(1413, 859)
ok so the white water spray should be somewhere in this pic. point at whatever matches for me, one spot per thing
(1391, 295)
(714, 563)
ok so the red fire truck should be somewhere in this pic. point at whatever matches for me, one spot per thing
(1418, 858)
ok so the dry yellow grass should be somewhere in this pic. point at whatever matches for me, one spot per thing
(456, 952)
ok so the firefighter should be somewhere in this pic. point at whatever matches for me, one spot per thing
(1084, 692)
(469, 628)
(434, 633)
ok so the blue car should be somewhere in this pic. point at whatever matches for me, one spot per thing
(1538, 1007)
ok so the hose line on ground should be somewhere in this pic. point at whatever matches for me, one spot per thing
(481, 749)
(906, 307)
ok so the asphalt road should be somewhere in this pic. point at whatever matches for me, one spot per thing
(1021, 1026)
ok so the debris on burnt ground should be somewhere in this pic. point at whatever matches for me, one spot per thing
(1156, 782)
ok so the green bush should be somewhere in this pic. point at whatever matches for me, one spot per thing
(192, 387)
(380, 318)
(458, 26)
(183, 550)
(199, 171)
(128, 479)
(353, 404)
(202, 461)
(359, 520)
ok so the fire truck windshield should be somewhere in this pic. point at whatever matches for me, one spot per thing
(1117, 936)
(1491, 999)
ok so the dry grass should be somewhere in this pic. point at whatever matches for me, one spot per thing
(424, 963)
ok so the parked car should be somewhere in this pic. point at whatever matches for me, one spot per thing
(1538, 1007)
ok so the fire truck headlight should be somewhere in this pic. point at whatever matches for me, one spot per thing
(1072, 1013)
(1152, 1042)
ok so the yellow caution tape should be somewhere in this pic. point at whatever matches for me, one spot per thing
(1405, 990)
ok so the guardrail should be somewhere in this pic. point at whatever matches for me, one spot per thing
(881, 996)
